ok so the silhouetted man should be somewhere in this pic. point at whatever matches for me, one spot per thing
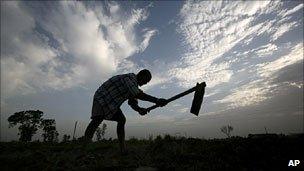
(109, 97)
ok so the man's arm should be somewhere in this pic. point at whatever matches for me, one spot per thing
(134, 105)
(136, 93)
(147, 97)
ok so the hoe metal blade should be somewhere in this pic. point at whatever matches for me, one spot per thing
(198, 98)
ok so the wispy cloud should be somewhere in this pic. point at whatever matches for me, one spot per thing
(269, 68)
(251, 93)
(208, 37)
(291, 11)
(283, 29)
(266, 50)
(147, 37)
(255, 92)
(213, 30)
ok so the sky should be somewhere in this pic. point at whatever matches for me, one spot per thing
(55, 54)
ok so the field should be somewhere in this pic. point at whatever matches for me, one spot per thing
(264, 152)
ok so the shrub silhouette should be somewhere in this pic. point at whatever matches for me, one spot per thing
(227, 130)
(100, 132)
(29, 122)
(49, 130)
(66, 138)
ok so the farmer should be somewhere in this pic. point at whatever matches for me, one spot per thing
(109, 97)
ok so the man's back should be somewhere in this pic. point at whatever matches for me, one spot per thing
(112, 93)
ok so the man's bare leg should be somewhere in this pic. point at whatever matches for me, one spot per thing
(121, 136)
(121, 120)
(93, 125)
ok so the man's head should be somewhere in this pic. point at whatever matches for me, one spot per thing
(143, 77)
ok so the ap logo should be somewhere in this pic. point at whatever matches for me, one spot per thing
(293, 163)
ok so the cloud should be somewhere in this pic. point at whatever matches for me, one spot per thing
(291, 11)
(266, 50)
(156, 80)
(147, 37)
(271, 81)
(70, 45)
(224, 43)
(150, 119)
(249, 94)
(21, 55)
(261, 51)
(210, 30)
(184, 110)
(282, 29)
(269, 68)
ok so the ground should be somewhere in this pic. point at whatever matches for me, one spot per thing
(262, 152)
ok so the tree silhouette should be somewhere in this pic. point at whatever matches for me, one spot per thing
(227, 130)
(100, 132)
(29, 121)
(49, 130)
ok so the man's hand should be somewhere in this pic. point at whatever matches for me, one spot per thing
(142, 111)
(162, 102)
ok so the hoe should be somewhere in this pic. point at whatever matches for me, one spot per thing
(196, 102)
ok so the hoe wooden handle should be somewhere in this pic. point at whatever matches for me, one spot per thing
(176, 97)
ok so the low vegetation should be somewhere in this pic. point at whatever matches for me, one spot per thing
(255, 152)
(262, 152)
